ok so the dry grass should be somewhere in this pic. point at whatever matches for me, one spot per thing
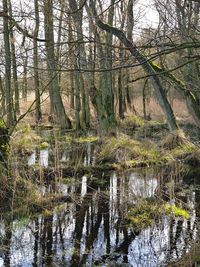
(174, 139)
(153, 108)
(45, 106)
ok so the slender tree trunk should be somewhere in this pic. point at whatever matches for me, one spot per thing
(121, 76)
(3, 99)
(25, 79)
(9, 96)
(60, 27)
(71, 62)
(14, 66)
(38, 112)
(108, 90)
(77, 100)
(121, 95)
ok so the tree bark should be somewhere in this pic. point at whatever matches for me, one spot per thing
(38, 112)
(9, 96)
(14, 66)
(54, 89)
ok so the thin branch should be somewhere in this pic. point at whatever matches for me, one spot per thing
(4, 14)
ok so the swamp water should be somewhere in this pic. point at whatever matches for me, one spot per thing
(92, 229)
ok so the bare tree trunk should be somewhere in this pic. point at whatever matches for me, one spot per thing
(71, 62)
(25, 79)
(54, 89)
(82, 61)
(9, 96)
(14, 66)
(38, 112)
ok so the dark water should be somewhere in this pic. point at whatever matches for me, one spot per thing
(91, 230)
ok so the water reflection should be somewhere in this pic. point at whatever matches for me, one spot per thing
(44, 158)
(84, 154)
(89, 231)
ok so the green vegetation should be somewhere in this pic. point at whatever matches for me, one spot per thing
(176, 211)
(146, 212)
(143, 214)
(86, 139)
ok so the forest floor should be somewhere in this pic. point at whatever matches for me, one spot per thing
(136, 142)
(153, 109)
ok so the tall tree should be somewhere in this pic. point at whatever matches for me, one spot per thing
(38, 113)
(14, 65)
(81, 88)
(54, 89)
(8, 58)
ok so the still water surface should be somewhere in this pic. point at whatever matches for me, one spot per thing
(90, 231)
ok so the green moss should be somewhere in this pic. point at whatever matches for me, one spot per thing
(47, 212)
(2, 124)
(67, 139)
(147, 211)
(143, 214)
(133, 121)
(182, 150)
(23, 221)
(24, 140)
(123, 148)
(43, 145)
(86, 139)
(176, 211)
(129, 151)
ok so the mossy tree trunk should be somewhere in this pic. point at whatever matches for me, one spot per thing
(185, 16)
(101, 91)
(4, 142)
(81, 88)
(3, 99)
(191, 99)
(159, 90)
(8, 58)
(108, 94)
